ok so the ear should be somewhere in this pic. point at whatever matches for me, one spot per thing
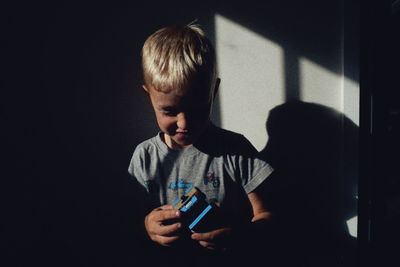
(147, 92)
(216, 87)
(145, 88)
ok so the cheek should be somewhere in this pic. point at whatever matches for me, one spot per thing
(166, 124)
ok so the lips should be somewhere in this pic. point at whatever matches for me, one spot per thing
(182, 134)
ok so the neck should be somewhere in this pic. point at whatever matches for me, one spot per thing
(171, 144)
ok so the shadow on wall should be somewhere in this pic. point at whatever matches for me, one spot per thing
(312, 190)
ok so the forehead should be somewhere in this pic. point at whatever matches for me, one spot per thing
(191, 96)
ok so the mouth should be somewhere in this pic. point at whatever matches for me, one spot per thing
(182, 134)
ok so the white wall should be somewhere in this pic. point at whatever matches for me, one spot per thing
(252, 83)
(252, 71)
(251, 67)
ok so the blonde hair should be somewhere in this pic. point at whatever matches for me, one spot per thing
(177, 58)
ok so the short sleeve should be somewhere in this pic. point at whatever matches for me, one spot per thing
(144, 165)
(251, 169)
(137, 166)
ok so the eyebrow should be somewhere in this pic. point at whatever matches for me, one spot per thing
(168, 108)
(177, 107)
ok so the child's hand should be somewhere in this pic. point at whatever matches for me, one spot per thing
(158, 225)
(218, 239)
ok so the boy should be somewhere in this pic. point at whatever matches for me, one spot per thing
(179, 70)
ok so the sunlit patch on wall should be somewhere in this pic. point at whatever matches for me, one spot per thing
(251, 71)
(319, 85)
(352, 226)
(351, 100)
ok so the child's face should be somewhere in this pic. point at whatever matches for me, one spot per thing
(181, 117)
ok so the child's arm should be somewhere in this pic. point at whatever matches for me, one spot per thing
(158, 229)
(259, 210)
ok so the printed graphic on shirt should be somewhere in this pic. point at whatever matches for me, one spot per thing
(180, 185)
(212, 180)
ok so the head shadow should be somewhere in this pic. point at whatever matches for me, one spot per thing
(314, 151)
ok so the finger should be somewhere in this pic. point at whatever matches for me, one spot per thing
(208, 245)
(203, 236)
(165, 240)
(166, 207)
(164, 215)
(209, 236)
(168, 230)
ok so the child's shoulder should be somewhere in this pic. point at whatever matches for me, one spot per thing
(228, 133)
(148, 146)
(226, 141)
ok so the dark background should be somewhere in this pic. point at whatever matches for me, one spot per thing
(72, 111)
(379, 186)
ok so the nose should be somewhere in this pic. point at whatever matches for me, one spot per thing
(182, 122)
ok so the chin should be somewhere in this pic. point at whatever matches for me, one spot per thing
(183, 143)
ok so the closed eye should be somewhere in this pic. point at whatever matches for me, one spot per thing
(169, 113)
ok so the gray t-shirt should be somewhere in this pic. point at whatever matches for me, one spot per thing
(223, 165)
